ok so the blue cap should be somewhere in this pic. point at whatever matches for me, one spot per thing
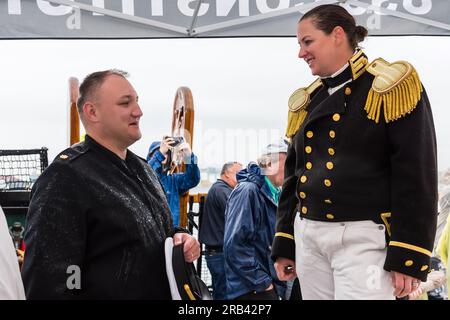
(153, 147)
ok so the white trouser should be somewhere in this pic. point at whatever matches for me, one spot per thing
(341, 260)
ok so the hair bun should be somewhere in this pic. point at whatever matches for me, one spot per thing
(360, 33)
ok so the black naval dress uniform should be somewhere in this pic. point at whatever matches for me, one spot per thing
(367, 152)
(105, 215)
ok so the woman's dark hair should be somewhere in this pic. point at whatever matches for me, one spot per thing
(327, 17)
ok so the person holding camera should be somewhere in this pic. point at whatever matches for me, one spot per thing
(160, 155)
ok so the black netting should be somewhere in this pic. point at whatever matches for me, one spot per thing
(19, 169)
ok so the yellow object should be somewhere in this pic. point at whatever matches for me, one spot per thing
(308, 149)
(336, 117)
(327, 182)
(308, 165)
(302, 195)
(443, 247)
(409, 263)
(330, 216)
(348, 91)
(297, 104)
(331, 151)
(189, 292)
(303, 179)
(358, 64)
(304, 210)
(309, 134)
(384, 217)
(284, 235)
(332, 134)
(330, 165)
(63, 156)
(410, 247)
(396, 87)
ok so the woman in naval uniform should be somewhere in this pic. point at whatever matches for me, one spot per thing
(357, 213)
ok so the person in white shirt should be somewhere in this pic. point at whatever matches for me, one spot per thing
(11, 286)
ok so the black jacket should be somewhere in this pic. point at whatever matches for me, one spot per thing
(213, 219)
(107, 216)
(342, 166)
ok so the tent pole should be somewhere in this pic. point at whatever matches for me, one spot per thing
(191, 30)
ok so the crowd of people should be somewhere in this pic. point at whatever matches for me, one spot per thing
(344, 207)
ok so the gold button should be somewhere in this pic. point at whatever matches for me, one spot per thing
(328, 201)
(303, 179)
(348, 91)
(304, 210)
(330, 216)
(308, 149)
(302, 195)
(331, 151)
(409, 263)
(63, 156)
(309, 134)
(424, 267)
(308, 165)
(327, 182)
(330, 165)
(336, 117)
(332, 134)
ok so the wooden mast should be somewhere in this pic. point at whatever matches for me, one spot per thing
(183, 126)
(74, 117)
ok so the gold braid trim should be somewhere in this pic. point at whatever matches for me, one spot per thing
(298, 101)
(295, 120)
(396, 86)
(284, 235)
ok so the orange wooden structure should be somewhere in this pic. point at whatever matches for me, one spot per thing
(183, 126)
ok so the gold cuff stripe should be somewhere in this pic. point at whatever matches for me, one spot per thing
(284, 235)
(410, 247)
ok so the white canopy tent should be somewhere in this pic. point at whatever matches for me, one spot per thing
(268, 69)
(207, 18)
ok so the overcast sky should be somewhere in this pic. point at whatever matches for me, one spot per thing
(240, 88)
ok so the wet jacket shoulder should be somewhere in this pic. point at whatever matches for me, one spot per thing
(106, 217)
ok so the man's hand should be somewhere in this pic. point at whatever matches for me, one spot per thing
(403, 284)
(191, 246)
(285, 269)
(185, 150)
(415, 294)
(165, 145)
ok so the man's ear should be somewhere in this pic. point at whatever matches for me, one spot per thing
(90, 112)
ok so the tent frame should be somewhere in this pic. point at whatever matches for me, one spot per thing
(192, 31)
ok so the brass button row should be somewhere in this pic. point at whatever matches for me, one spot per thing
(329, 165)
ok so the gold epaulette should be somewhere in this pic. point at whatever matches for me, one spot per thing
(298, 101)
(396, 86)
